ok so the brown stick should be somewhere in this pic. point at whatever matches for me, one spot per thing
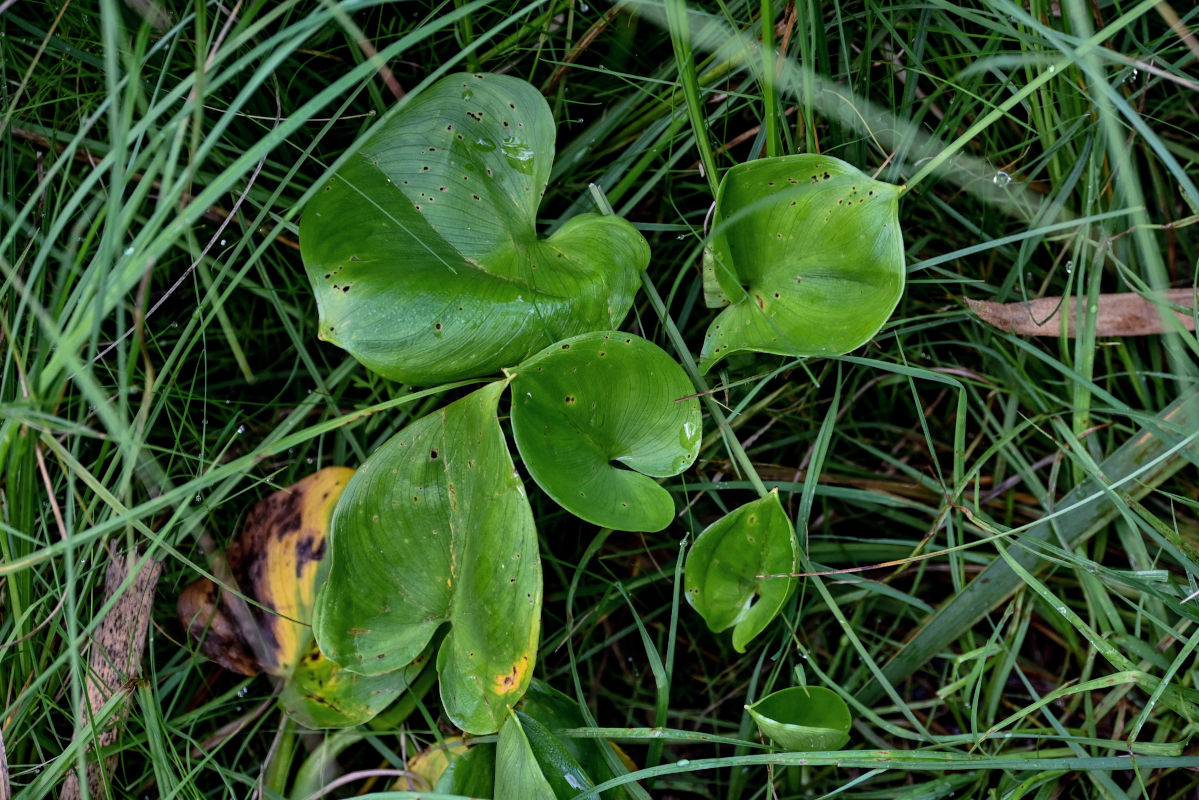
(114, 658)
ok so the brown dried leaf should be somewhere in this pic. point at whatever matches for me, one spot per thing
(1124, 314)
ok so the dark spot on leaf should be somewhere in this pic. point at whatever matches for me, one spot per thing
(307, 551)
(345, 289)
(476, 197)
(777, 295)
(433, 455)
(437, 326)
(565, 347)
(425, 168)
(570, 399)
(443, 188)
(827, 176)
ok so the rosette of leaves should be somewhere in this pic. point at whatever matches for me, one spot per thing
(423, 250)
(806, 256)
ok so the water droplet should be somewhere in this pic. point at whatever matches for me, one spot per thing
(129, 250)
(243, 691)
(484, 144)
(682, 762)
(518, 153)
(1069, 267)
(199, 498)
(241, 429)
(222, 241)
(468, 94)
(1001, 178)
(1052, 68)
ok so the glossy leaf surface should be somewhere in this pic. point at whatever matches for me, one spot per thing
(595, 416)
(554, 710)
(517, 772)
(803, 718)
(808, 255)
(434, 528)
(725, 571)
(423, 251)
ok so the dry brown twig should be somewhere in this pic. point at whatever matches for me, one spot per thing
(114, 659)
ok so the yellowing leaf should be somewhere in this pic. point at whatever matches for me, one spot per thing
(275, 562)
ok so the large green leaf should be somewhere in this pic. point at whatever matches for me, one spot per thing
(435, 528)
(808, 252)
(727, 575)
(586, 404)
(423, 251)
(803, 718)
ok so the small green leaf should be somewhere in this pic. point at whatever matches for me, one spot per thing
(435, 528)
(558, 765)
(803, 718)
(808, 255)
(554, 710)
(586, 404)
(471, 774)
(728, 565)
(423, 250)
(517, 772)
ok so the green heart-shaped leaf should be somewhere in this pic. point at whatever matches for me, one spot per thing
(435, 528)
(725, 575)
(803, 718)
(808, 252)
(423, 251)
(583, 405)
